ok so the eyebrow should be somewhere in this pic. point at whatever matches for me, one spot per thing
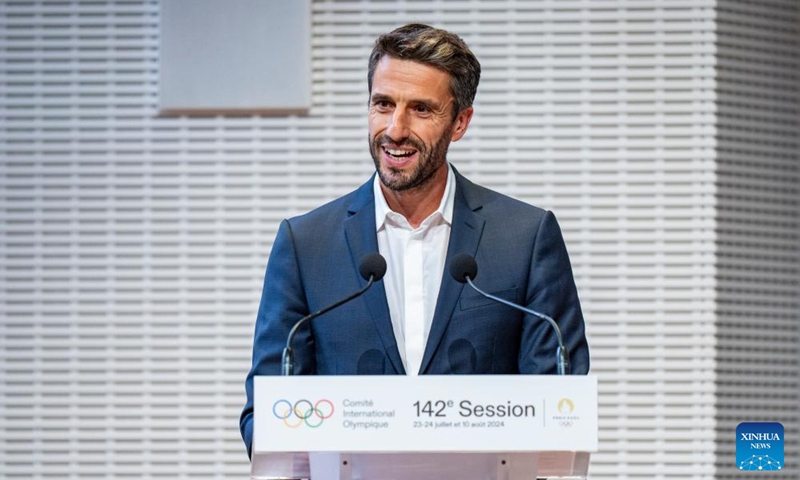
(377, 97)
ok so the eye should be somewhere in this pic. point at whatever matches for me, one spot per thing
(422, 109)
(382, 105)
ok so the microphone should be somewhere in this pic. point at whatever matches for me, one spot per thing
(464, 268)
(372, 268)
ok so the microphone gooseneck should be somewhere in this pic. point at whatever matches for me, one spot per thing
(464, 268)
(372, 268)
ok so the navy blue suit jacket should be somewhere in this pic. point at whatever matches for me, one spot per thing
(521, 257)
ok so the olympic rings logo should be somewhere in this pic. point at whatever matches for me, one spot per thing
(303, 411)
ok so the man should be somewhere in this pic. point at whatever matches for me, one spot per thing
(418, 212)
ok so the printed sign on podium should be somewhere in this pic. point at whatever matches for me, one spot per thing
(424, 416)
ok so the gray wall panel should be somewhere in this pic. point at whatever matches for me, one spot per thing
(758, 224)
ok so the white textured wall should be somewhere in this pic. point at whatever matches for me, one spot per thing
(132, 247)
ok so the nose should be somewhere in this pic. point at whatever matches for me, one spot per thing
(398, 126)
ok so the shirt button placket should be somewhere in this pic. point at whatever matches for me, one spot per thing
(414, 302)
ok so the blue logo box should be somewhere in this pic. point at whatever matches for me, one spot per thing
(759, 446)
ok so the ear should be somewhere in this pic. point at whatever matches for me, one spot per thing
(461, 123)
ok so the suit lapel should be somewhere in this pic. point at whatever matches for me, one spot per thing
(465, 236)
(359, 229)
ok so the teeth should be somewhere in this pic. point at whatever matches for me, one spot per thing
(399, 153)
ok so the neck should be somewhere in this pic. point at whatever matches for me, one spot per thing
(418, 203)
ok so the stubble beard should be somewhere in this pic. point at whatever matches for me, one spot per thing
(429, 162)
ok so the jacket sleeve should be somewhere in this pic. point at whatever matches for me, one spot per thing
(283, 303)
(552, 291)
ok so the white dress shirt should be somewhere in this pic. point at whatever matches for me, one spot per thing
(415, 264)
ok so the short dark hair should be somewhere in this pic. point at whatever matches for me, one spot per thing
(437, 48)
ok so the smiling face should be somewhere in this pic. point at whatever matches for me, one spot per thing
(411, 123)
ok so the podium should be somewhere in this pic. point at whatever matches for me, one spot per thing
(504, 427)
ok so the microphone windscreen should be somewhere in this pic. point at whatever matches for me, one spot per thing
(463, 266)
(372, 265)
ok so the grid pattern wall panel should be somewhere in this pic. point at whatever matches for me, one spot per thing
(758, 223)
(133, 247)
(603, 112)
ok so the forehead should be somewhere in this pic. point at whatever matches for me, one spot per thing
(395, 77)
